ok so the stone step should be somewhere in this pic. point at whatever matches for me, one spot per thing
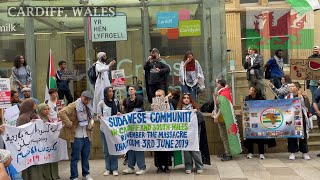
(314, 137)
(314, 146)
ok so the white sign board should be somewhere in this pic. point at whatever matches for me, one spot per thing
(34, 143)
(109, 28)
(160, 104)
(11, 115)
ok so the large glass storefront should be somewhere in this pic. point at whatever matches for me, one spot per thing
(215, 33)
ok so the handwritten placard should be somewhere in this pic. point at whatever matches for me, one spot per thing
(118, 79)
(151, 131)
(305, 69)
(34, 143)
(70, 75)
(11, 115)
(5, 93)
(160, 104)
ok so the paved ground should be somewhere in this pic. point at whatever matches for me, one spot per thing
(275, 166)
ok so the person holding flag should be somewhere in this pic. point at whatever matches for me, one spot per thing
(228, 127)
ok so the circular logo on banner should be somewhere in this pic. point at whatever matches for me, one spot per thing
(271, 118)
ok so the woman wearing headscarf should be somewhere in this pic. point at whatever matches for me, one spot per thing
(102, 71)
(50, 170)
(109, 106)
(28, 113)
(191, 75)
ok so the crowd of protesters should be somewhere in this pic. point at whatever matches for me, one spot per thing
(77, 117)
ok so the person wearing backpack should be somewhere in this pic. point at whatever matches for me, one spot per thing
(102, 81)
(275, 66)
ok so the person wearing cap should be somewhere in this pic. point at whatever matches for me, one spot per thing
(21, 74)
(157, 72)
(27, 94)
(102, 71)
(5, 162)
(78, 124)
(312, 85)
(191, 75)
(254, 65)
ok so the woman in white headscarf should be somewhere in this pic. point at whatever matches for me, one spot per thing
(102, 71)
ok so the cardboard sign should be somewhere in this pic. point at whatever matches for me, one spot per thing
(5, 93)
(305, 69)
(160, 104)
(70, 75)
(118, 79)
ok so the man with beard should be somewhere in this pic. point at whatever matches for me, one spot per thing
(157, 72)
(102, 71)
(26, 94)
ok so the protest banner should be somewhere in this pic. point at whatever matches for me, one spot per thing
(160, 104)
(281, 118)
(151, 131)
(70, 75)
(34, 143)
(11, 115)
(118, 79)
(5, 93)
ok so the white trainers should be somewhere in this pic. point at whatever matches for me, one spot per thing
(200, 171)
(107, 173)
(115, 173)
(292, 156)
(249, 156)
(140, 172)
(188, 171)
(262, 156)
(306, 156)
(88, 177)
(75, 179)
(128, 171)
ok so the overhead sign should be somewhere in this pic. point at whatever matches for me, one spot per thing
(190, 28)
(167, 19)
(305, 69)
(5, 93)
(109, 28)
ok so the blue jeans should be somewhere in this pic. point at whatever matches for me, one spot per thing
(276, 81)
(136, 157)
(191, 90)
(111, 162)
(80, 146)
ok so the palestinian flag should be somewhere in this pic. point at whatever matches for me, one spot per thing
(227, 112)
(51, 75)
(303, 6)
(279, 29)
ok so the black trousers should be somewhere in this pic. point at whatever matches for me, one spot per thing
(153, 88)
(162, 159)
(293, 145)
(66, 93)
(250, 146)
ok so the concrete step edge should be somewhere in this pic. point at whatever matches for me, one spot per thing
(315, 143)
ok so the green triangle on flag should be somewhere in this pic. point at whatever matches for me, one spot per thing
(51, 81)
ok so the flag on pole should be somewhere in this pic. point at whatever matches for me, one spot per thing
(303, 6)
(230, 121)
(51, 81)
